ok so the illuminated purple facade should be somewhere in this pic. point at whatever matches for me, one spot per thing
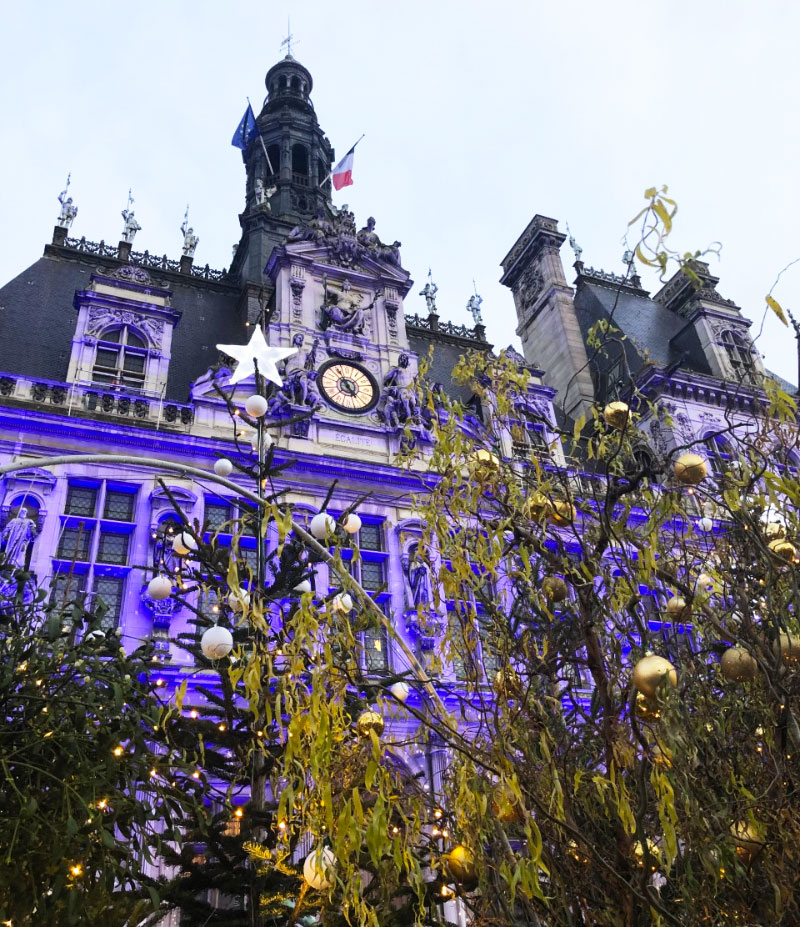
(106, 349)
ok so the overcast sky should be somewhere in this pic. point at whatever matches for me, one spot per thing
(477, 116)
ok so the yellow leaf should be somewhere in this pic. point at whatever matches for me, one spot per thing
(776, 307)
(650, 192)
(663, 215)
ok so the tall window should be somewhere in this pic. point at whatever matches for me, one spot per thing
(737, 348)
(94, 544)
(720, 454)
(121, 358)
(370, 569)
(472, 654)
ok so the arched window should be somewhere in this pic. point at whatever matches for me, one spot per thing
(274, 153)
(720, 454)
(300, 160)
(296, 84)
(121, 358)
(737, 348)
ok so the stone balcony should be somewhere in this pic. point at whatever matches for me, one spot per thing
(98, 400)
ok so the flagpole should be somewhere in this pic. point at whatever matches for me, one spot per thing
(353, 148)
(269, 163)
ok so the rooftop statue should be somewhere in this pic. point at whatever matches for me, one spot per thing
(474, 307)
(68, 210)
(190, 240)
(131, 226)
(429, 291)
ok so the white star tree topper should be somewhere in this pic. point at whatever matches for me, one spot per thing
(256, 351)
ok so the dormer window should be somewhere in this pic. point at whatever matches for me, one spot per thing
(121, 358)
(740, 358)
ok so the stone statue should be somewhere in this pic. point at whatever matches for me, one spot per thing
(299, 377)
(576, 249)
(344, 312)
(400, 401)
(68, 211)
(190, 240)
(17, 537)
(391, 253)
(131, 226)
(263, 194)
(417, 576)
(474, 307)
(367, 236)
(429, 291)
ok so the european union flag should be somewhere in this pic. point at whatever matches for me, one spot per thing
(246, 131)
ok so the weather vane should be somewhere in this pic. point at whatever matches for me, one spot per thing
(289, 38)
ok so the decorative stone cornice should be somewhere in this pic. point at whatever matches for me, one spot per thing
(541, 234)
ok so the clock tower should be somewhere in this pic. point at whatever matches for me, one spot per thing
(339, 300)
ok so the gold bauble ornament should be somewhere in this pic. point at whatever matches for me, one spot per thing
(616, 414)
(774, 531)
(370, 721)
(562, 513)
(652, 848)
(647, 708)
(575, 852)
(650, 670)
(678, 608)
(783, 549)
(538, 506)
(749, 840)
(690, 469)
(738, 665)
(504, 805)
(507, 682)
(554, 588)
(789, 647)
(461, 865)
(484, 463)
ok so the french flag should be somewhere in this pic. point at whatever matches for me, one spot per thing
(343, 172)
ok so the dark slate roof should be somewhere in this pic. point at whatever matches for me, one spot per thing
(37, 318)
(648, 325)
(37, 321)
(785, 385)
(446, 352)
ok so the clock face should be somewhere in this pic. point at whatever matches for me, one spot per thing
(348, 387)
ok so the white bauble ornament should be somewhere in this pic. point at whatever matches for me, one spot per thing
(319, 868)
(352, 524)
(268, 440)
(216, 642)
(159, 587)
(303, 586)
(223, 467)
(238, 603)
(183, 544)
(255, 405)
(96, 635)
(341, 602)
(322, 524)
(707, 524)
(400, 690)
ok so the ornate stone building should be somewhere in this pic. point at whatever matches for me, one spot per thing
(109, 349)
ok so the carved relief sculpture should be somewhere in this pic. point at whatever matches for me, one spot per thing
(343, 311)
(400, 402)
(299, 379)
